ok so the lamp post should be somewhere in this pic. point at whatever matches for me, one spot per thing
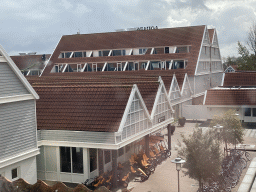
(178, 161)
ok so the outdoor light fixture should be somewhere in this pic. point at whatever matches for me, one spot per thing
(178, 161)
(218, 127)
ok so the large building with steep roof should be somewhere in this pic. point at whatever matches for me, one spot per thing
(193, 50)
(100, 94)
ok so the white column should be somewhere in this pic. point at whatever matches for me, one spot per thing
(86, 160)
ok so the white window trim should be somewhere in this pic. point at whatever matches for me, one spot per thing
(110, 52)
(125, 66)
(18, 173)
(93, 65)
(120, 67)
(84, 67)
(64, 68)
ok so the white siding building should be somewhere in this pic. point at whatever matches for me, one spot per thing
(18, 142)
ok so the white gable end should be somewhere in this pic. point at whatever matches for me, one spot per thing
(174, 92)
(13, 83)
(136, 117)
(186, 91)
(162, 109)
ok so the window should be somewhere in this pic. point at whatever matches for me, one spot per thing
(254, 112)
(100, 53)
(93, 159)
(120, 152)
(84, 54)
(105, 53)
(247, 112)
(78, 54)
(124, 52)
(181, 50)
(14, 173)
(94, 67)
(62, 55)
(71, 159)
(67, 54)
(118, 52)
(142, 51)
(107, 156)
(178, 64)
(166, 50)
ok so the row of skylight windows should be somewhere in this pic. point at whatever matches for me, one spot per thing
(123, 52)
(120, 66)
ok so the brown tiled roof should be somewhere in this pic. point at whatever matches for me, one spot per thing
(231, 97)
(29, 61)
(211, 32)
(148, 86)
(81, 108)
(240, 79)
(132, 39)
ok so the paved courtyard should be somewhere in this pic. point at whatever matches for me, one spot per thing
(165, 178)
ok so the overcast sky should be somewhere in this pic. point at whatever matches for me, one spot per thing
(37, 26)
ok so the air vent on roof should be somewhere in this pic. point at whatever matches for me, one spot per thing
(32, 53)
(22, 53)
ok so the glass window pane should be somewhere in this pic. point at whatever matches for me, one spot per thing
(67, 54)
(77, 160)
(93, 159)
(166, 49)
(124, 52)
(107, 156)
(65, 160)
(254, 112)
(14, 173)
(78, 54)
(247, 112)
(105, 53)
(117, 52)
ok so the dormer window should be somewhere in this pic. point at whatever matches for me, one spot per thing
(166, 50)
(142, 51)
(78, 54)
(67, 54)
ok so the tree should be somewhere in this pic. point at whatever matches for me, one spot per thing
(203, 156)
(246, 60)
(233, 131)
(251, 42)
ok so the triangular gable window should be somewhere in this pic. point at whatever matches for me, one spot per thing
(163, 110)
(215, 41)
(206, 37)
(136, 120)
(175, 91)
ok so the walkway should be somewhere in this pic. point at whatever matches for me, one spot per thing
(165, 178)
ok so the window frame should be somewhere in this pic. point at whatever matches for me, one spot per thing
(71, 160)
(17, 173)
